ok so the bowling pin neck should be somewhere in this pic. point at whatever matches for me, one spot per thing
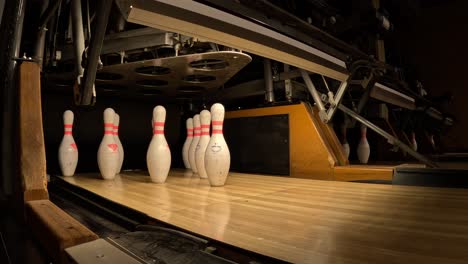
(205, 130)
(197, 131)
(67, 129)
(363, 132)
(189, 125)
(108, 129)
(116, 130)
(158, 128)
(217, 127)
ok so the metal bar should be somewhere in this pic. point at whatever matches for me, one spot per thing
(391, 139)
(134, 33)
(287, 85)
(287, 75)
(268, 76)
(199, 20)
(389, 95)
(48, 13)
(289, 24)
(136, 42)
(40, 43)
(318, 101)
(337, 100)
(89, 76)
(78, 36)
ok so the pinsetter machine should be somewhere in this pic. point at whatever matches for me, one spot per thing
(192, 53)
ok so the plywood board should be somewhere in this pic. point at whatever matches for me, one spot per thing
(309, 153)
(32, 148)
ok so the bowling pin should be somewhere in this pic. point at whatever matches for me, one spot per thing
(188, 141)
(414, 144)
(108, 152)
(217, 156)
(118, 142)
(205, 119)
(430, 137)
(345, 144)
(158, 157)
(194, 144)
(363, 149)
(68, 152)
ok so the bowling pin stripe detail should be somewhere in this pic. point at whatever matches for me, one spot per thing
(116, 130)
(197, 132)
(108, 131)
(219, 127)
(205, 130)
(158, 128)
(189, 132)
(68, 129)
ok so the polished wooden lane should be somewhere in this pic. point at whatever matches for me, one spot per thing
(301, 220)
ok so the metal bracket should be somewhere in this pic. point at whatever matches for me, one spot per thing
(324, 114)
(315, 94)
(336, 100)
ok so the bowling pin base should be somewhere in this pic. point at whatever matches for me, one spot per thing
(108, 178)
(158, 182)
(220, 185)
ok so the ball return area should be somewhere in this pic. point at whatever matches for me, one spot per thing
(315, 215)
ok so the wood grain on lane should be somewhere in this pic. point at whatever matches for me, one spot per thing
(301, 220)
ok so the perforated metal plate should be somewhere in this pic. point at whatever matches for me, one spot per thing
(173, 76)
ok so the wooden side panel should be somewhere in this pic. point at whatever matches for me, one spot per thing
(55, 229)
(363, 172)
(32, 149)
(309, 154)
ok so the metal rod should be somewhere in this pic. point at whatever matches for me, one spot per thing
(48, 13)
(78, 36)
(103, 9)
(40, 43)
(88, 20)
(53, 28)
(391, 139)
(337, 99)
(268, 76)
(287, 85)
(315, 95)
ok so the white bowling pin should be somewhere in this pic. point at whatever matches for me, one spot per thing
(345, 144)
(68, 152)
(414, 144)
(158, 157)
(194, 144)
(363, 149)
(217, 156)
(108, 152)
(346, 149)
(118, 142)
(205, 119)
(188, 141)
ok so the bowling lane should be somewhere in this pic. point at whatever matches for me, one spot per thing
(300, 220)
